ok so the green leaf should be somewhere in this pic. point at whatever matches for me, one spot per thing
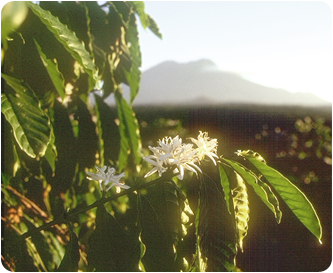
(70, 41)
(294, 198)
(216, 238)
(108, 130)
(139, 7)
(122, 10)
(226, 186)
(72, 255)
(99, 127)
(53, 71)
(154, 27)
(168, 202)
(145, 19)
(134, 75)
(125, 146)
(109, 246)
(14, 252)
(163, 214)
(129, 132)
(241, 210)
(87, 137)
(13, 14)
(261, 189)
(43, 250)
(157, 234)
(51, 151)
(31, 127)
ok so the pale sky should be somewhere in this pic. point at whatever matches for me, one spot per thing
(281, 44)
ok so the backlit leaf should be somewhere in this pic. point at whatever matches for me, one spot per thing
(241, 210)
(70, 41)
(226, 186)
(53, 71)
(260, 188)
(31, 127)
(294, 198)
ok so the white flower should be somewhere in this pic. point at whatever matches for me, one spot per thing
(157, 165)
(206, 146)
(185, 157)
(171, 151)
(106, 178)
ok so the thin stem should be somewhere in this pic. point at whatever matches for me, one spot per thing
(67, 215)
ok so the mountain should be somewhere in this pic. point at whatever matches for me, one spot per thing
(203, 83)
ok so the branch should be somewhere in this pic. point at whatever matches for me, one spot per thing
(67, 215)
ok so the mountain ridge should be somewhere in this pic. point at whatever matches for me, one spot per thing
(203, 83)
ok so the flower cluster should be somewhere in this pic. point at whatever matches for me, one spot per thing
(172, 152)
(107, 179)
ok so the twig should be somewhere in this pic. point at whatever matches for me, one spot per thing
(28, 203)
(67, 215)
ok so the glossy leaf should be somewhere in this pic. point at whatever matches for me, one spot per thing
(70, 41)
(53, 71)
(261, 189)
(31, 127)
(294, 198)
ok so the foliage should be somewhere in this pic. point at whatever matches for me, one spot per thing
(12, 16)
(60, 63)
(308, 144)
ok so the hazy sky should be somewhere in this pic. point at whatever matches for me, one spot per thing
(280, 44)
